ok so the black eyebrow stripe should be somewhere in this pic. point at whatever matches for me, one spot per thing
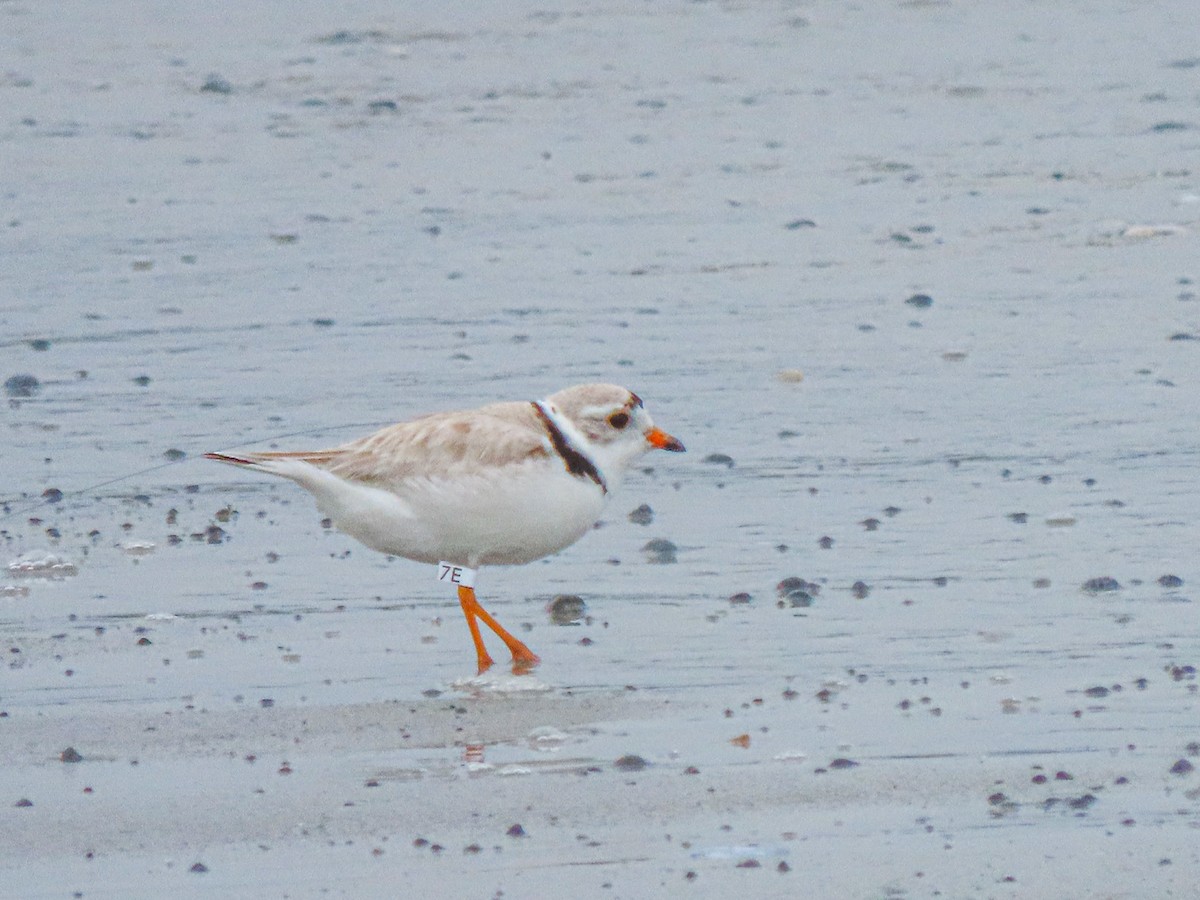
(576, 462)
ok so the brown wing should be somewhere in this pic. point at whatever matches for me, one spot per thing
(438, 445)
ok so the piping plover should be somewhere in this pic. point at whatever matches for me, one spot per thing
(504, 484)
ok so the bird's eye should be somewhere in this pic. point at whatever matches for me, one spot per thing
(618, 420)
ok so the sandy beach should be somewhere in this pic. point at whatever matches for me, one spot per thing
(915, 282)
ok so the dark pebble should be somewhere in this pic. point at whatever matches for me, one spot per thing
(793, 583)
(1081, 802)
(199, 868)
(1097, 692)
(215, 84)
(39, 344)
(783, 867)
(70, 755)
(567, 609)
(1182, 767)
(1020, 518)
(797, 224)
(797, 599)
(22, 386)
(660, 551)
(643, 515)
(920, 301)
(891, 511)
(1101, 585)
(214, 534)
(1170, 581)
(740, 598)
(630, 762)
(842, 763)
(52, 495)
(749, 864)
(142, 380)
(860, 590)
(174, 455)
(516, 831)
(825, 543)
(870, 524)
(23, 802)
(719, 459)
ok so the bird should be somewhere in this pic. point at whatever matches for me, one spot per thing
(502, 484)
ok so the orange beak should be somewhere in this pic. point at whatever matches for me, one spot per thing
(660, 440)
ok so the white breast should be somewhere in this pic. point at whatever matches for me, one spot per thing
(505, 516)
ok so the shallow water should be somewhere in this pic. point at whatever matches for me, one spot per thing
(375, 213)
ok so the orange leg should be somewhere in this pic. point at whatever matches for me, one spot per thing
(524, 659)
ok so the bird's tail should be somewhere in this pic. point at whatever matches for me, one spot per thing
(287, 465)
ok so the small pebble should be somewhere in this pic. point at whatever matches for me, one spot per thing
(660, 551)
(1101, 585)
(796, 599)
(740, 598)
(1182, 767)
(199, 868)
(22, 386)
(793, 583)
(630, 762)
(920, 301)
(215, 84)
(70, 755)
(566, 609)
(1170, 581)
(719, 459)
(860, 590)
(643, 515)
(516, 831)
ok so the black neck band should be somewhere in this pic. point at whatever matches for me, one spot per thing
(576, 462)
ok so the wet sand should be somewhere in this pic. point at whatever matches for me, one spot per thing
(915, 283)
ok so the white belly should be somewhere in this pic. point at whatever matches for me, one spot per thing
(499, 517)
